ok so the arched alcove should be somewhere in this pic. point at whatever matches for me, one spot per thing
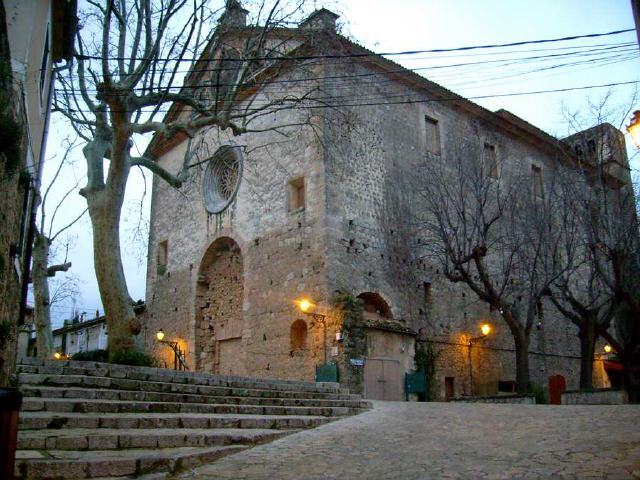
(219, 317)
(374, 304)
(298, 335)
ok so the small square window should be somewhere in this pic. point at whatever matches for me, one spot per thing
(296, 194)
(432, 135)
(490, 160)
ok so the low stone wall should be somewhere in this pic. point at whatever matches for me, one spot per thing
(595, 397)
(520, 399)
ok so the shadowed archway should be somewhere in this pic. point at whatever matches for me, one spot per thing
(219, 317)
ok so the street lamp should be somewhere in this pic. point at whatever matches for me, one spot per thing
(305, 305)
(607, 348)
(178, 354)
(485, 329)
(634, 128)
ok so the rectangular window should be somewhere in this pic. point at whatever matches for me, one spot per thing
(426, 289)
(490, 160)
(163, 257)
(508, 386)
(536, 178)
(296, 194)
(432, 135)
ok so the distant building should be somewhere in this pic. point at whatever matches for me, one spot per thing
(82, 335)
(34, 34)
(79, 335)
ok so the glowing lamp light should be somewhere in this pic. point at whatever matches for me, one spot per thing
(607, 348)
(485, 328)
(634, 128)
(160, 335)
(57, 356)
(304, 305)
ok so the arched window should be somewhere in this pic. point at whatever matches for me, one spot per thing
(298, 335)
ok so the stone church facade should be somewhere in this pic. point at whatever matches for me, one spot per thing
(327, 216)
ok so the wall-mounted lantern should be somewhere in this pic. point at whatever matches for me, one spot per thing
(634, 128)
(305, 305)
(179, 362)
(485, 329)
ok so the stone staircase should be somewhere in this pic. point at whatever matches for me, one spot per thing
(97, 420)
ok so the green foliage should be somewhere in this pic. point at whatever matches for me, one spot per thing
(354, 339)
(128, 357)
(6, 331)
(133, 357)
(540, 392)
(92, 356)
(425, 359)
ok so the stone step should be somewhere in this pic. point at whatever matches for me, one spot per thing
(33, 404)
(109, 438)
(84, 381)
(71, 367)
(132, 395)
(73, 464)
(55, 421)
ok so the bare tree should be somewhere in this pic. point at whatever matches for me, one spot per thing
(579, 292)
(492, 229)
(134, 58)
(46, 233)
(602, 291)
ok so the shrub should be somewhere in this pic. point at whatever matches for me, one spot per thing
(133, 357)
(540, 393)
(91, 356)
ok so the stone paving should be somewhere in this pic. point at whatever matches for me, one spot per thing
(398, 440)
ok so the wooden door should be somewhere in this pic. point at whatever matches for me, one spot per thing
(449, 388)
(383, 379)
(557, 385)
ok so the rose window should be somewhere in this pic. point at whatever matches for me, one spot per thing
(222, 178)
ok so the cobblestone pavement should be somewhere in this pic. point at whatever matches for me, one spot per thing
(399, 440)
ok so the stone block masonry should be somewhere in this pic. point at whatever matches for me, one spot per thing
(335, 210)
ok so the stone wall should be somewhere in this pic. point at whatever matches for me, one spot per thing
(357, 233)
(282, 254)
(374, 244)
(595, 397)
(519, 399)
(11, 208)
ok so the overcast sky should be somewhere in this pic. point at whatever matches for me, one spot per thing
(408, 25)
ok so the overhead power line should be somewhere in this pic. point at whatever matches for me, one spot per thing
(326, 102)
(618, 55)
(385, 54)
(583, 51)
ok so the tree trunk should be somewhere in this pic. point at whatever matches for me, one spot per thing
(104, 211)
(521, 341)
(42, 310)
(588, 337)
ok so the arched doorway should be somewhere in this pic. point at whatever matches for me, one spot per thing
(557, 385)
(219, 318)
(388, 351)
